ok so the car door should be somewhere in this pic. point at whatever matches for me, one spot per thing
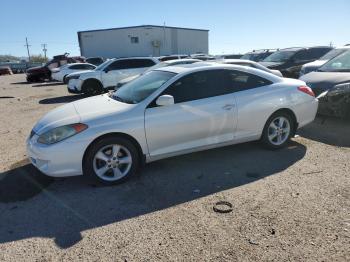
(255, 97)
(203, 114)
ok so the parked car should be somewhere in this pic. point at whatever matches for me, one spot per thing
(331, 83)
(290, 60)
(94, 60)
(171, 57)
(40, 73)
(60, 74)
(258, 55)
(313, 66)
(108, 74)
(230, 56)
(203, 57)
(250, 64)
(160, 65)
(166, 112)
(5, 70)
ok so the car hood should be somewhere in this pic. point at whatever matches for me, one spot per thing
(271, 64)
(81, 111)
(323, 81)
(315, 64)
(35, 69)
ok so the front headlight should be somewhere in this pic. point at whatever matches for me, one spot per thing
(60, 133)
(340, 89)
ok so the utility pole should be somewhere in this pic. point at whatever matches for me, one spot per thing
(44, 49)
(27, 45)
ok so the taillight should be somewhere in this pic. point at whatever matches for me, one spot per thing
(306, 90)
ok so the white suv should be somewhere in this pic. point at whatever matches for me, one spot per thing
(108, 74)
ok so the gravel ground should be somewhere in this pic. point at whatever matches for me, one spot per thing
(288, 205)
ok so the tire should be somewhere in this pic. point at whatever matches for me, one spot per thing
(65, 80)
(104, 161)
(92, 87)
(278, 130)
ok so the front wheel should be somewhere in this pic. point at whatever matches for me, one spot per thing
(111, 160)
(92, 87)
(278, 130)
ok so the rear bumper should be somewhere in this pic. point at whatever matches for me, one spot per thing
(306, 112)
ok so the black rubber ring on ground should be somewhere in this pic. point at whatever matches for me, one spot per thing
(228, 207)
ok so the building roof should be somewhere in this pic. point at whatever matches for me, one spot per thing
(139, 26)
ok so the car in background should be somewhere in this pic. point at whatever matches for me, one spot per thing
(331, 83)
(250, 64)
(230, 56)
(5, 70)
(166, 112)
(171, 57)
(184, 61)
(258, 55)
(290, 60)
(41, 73)
(108, 74)
(313, 66)
(94, 60)
(203, 57)
(60, 74)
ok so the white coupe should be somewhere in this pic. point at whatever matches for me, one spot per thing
(167, 112)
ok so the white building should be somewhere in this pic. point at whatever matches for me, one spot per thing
(144, 40)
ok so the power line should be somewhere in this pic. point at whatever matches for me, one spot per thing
(27, 45)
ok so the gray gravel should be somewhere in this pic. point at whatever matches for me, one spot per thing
(292, 204)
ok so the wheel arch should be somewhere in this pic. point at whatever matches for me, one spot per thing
(291, 113)
(117, 134)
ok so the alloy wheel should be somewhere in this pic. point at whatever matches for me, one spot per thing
(279, 130)
(112, 162)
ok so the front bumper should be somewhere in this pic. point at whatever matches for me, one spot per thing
(58, 160)
(74, 86)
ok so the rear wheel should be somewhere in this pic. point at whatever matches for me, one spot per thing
(92, 87)
(278, 130)
(111, 160)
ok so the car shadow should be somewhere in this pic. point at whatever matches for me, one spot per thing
(21, 83)
(63, 209)
(328, 130)
(49, 84)
(61, 99)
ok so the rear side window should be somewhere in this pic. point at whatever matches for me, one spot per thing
(138, 63)
(199, 85)
(77, 67)
(241, 81)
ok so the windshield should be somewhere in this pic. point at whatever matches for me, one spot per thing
(333, 53)
(339, 64)
(280, 56)
(142, 87)
(101, 66)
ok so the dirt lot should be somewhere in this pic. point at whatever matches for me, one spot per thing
(292, 204)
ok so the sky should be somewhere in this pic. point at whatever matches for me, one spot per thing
(236, 26)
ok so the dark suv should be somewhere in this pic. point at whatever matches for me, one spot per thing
(258, 55)
(290, 60)
(41, 73)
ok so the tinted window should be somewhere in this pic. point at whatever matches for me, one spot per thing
(240, 81)
(310, 54)
(131, 63)
(198, 86)
(77, 67)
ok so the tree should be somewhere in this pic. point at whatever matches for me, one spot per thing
(38, 59)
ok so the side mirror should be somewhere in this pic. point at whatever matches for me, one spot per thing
(165, 100)
(106, 70)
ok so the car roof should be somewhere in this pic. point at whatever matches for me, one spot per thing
(200, 66)
(300, 48)
(181, 60)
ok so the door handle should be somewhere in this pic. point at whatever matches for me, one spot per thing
(228, 106)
